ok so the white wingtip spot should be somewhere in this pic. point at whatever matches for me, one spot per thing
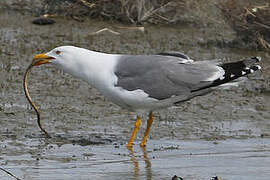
(232, 75)
(222, 77)
(247, 68)
(259, 67)
(251, 71)
(243, 72)
(259, 58)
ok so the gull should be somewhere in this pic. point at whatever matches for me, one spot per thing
(145, 83)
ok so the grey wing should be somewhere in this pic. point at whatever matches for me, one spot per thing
(175, 54)
(163, 77)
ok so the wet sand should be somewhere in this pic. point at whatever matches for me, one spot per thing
(225, 133)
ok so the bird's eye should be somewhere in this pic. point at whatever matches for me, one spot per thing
(58, 52)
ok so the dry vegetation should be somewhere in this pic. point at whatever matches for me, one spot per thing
(128, 11)
(251, 22)
(248, 18)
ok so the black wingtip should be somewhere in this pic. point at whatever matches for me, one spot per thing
(257, 58)
(234, 70)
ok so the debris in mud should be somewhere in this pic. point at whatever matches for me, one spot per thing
(166, 148)
(82, 140)
(104, 30)
(43, 21)
(180, 178)
(177, 178)
(9, 173)
(265, 135)
(250, 21)
(216, 178)
(87, 142)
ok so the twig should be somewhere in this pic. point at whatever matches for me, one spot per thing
(264, 43)
(164, 18)
(138, 28)
(105, 29)
(262, 25)
(9, 173)
(49, 15)
(248, 12)
(254, 9)
(87, 4)
(153, 11)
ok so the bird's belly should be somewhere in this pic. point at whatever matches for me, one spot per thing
(136, 100)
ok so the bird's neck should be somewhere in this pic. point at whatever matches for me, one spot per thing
(97, 69)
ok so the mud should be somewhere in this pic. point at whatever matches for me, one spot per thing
(225, 133)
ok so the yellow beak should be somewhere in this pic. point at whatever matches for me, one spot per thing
(41, 59)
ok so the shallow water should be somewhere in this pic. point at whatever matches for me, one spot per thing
(231, 159)
(225, 133)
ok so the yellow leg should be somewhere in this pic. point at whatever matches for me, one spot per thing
(149, 124)
(136, 127)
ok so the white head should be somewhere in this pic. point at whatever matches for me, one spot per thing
(58, 55)
(79, 62)
(70, 59)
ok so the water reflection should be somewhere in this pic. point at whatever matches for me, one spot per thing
(136, 168)
(148, 165)
(135, 163)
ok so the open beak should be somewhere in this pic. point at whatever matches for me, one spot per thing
(41, 59)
